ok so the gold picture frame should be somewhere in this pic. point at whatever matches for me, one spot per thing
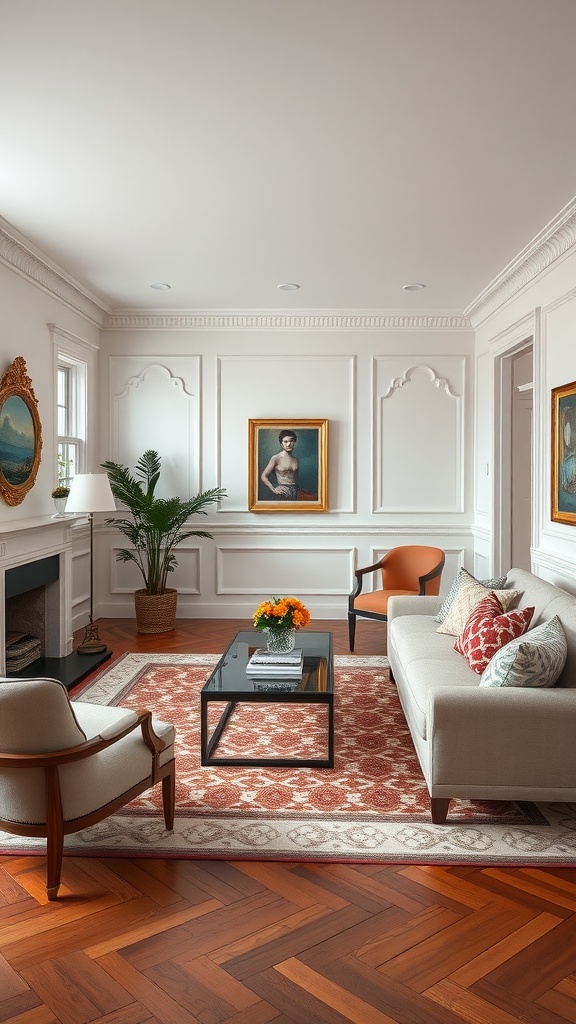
(563, 501)
(20, 434)
(288, 465)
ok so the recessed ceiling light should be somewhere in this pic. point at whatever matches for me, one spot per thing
(160, 286)
(289, 286)
(413, 287)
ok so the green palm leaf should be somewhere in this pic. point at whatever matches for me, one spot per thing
(157, 525)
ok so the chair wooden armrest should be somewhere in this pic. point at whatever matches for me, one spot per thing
(87, 749)
(359, 573)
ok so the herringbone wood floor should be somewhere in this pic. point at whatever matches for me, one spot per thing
(246, 943)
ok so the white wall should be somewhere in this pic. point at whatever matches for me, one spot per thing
(40, 309)
(543, 308)
(396, 391)
(26, 313)
(398, 403)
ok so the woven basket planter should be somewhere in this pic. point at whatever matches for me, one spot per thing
(155, 613)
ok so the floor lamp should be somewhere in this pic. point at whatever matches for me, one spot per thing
(90, 493)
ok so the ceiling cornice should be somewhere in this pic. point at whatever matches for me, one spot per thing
(21, 256)
(554, 241)
(216, 320)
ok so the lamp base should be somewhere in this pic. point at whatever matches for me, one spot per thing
(90, 648)
(91, 643)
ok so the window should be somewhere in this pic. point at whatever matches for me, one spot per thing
(71, 406)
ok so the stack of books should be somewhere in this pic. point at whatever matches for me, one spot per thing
(275, 667)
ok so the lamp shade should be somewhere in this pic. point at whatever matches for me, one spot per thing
(90, 492)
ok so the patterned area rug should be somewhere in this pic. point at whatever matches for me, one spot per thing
(372, 806)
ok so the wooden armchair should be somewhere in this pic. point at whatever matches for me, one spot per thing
(409, 569)
(66, 765)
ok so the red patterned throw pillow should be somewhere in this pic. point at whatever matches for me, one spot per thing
(488, 629)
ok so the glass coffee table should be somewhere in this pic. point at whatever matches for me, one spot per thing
(230, 685)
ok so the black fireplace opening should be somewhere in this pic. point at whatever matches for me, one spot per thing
(28, 590)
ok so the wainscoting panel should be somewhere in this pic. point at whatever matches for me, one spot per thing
(125, 577)
(277, 570)
(156, 404)
(419, 435)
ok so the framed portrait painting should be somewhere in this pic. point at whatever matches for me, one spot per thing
(288, 465)
(20, 434)
(564, 454)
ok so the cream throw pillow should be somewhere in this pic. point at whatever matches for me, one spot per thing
(470, 593)
(464, 577)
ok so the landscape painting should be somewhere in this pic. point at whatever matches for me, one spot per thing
(16, 440)
(20, 433)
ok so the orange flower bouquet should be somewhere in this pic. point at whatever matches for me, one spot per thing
(281, 613)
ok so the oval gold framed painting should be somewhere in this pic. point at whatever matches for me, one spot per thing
(20, 434)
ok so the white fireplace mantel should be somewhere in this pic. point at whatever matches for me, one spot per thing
(28, 540)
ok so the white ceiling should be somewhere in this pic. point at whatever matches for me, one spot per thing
(225, 146)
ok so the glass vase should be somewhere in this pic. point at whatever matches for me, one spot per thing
(280, 641)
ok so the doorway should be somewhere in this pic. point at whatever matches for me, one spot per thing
(521, 476)
(516, 481)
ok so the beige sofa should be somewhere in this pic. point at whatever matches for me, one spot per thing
(485, 743)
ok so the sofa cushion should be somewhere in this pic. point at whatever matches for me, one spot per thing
(488, 629)
(464, 577)
(428, 660)
(535, 659)
(469, 594)
(427, 674)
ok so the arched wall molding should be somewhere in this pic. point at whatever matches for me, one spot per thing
(422, 423)
(31, 263)
(139, 379)
(157, 406)
(438, 382)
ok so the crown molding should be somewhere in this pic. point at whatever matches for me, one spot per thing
(244, 320)
(21, 256)
(553, 242)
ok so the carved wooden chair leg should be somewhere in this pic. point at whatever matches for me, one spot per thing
(169, 798)
(439, 809)
(55, 833)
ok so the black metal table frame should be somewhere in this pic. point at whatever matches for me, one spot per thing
(209, 743)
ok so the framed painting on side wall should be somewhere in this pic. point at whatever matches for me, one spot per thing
(564, 454)
(288, 465)
(20, 434)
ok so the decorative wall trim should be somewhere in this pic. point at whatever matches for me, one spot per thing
(332, 529)
(553, 565)
(22, 257)
(394, 491)
(438, 382)
(74, 339)
(554, 241)
(138, 379)
(210, 320)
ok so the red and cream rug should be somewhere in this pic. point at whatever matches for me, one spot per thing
(372, 806)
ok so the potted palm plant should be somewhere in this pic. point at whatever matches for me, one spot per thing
(154, 528)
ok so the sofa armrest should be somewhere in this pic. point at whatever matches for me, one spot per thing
(502, 737)
(413, 604)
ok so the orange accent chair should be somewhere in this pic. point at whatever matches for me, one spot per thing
(410, 569)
